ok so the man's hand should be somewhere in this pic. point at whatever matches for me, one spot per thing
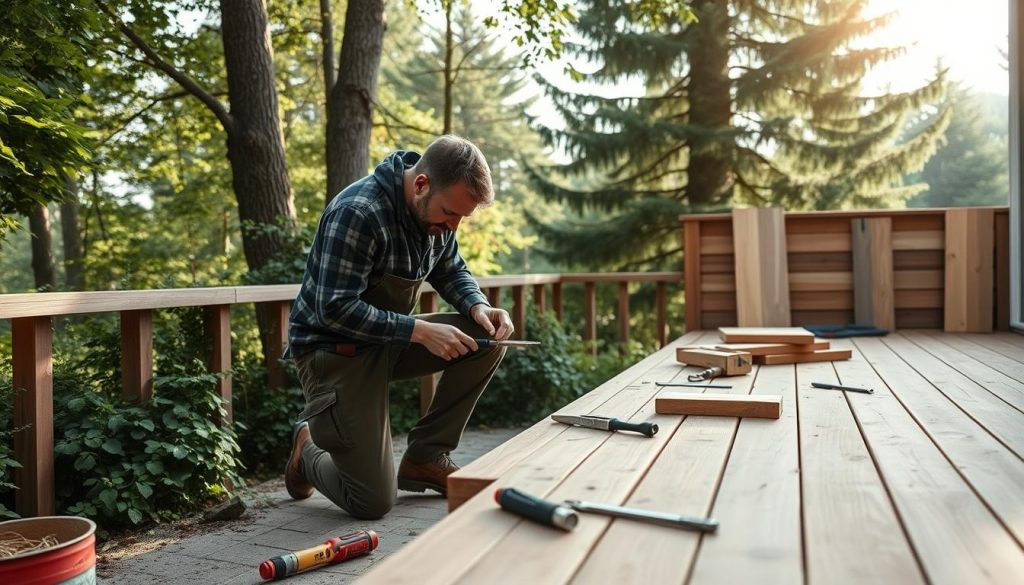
(442, 340)
(496, 322)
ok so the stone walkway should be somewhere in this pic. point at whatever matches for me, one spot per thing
(230, 552)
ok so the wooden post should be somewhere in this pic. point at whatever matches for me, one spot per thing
(538, 298)
(970, 281)
(137, 354)
(519, 312)
(873, 285)
(428, 302)
(556, 300)
(623, 316)
(32, 357)
(217, 322)
(428, 383)
(1002, 275)
(277, 314)
(691, 274)
(659, 302)
(761, 268)
(590, 317)
(494, 296)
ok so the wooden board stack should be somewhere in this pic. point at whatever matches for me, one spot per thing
(779, 345)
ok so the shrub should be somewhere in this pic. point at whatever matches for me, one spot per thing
(263, 417)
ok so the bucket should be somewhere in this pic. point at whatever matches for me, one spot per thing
(72, 562)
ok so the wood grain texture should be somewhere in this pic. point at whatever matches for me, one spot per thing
(692, 283)
(818, 242)
(969, 270)
(918, 240)
(217, 325)
(822, 355)
(519, 312)
(765, 335)
(762, 274)
(276, 314)
(873, 270)
(32, 378)
(774, 348)
(671, 402)
(137, 355)
(1002, 271)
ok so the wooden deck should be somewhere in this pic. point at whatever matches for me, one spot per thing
(922, 481)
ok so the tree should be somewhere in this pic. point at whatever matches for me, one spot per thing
(972, 167)
(750, 103)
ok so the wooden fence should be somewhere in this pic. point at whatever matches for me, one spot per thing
(32, 316)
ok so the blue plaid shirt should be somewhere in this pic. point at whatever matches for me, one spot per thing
(365, 233)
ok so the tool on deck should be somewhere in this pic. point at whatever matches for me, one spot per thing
(708, 374)
(332, 551)
(678, 384)
(605, 423)
(729, 362)
(536, 509)
(509, 343)
(836, 387)
(675, 520)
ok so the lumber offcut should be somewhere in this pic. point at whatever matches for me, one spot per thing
(718, 404)
(826, 355)
(773, 348)
(765, 335)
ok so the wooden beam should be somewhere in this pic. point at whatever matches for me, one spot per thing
(762, 273)
(217, 323)
(970, 281)
(137, 354)
(538, 298)
(623, 317)
(718, 404)
(590, 317)
(556, 300)
(659, 303)
(277, 314)
(1002, 274)
(873, 272)
(519, 311)
(494, 296)
(692, 278)
(428, 302)
(32, 357)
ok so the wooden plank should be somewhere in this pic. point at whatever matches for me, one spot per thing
(466, 482)
(217, 324)
(716, 264)
(716, 245)
(820, 262)
(820, 242)
(623, 317)
(1008, 344)
(918, 260)
(872, 264)
(820, 281)
(719, 302)
(918, 240)
(765, 335)
(708, 404)
(590, 317)
(762, 276)
(712, 319)
(518, 312)
(955, 535)
(683, 480)
(774, 348)
(32, 421)
(13, 306)
(919, 279)
(137, 355)
(918, 318)
(848, 518)
(1002, 271)
(760, 492)
(817, 301)
(919, 299)
(539, 298)
(934, 220)
(969, 270)
(797, 224)
(661, 331)
(1009, 390)
(618, 277)
(692, 283)
(494, 296)
(428, 302)
(995, 360)
(718, 283)
(833, 317)
(822, 355)
(276, 315)
(993, 414)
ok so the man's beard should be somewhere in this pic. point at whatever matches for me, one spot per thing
(421, 213)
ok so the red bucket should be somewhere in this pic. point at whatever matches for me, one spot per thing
(72, 562)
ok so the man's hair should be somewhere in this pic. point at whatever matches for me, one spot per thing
(451, 159)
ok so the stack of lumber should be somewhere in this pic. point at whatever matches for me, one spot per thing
(779, 345)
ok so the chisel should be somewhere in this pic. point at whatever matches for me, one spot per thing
(675, 520)
(606, 424)
(509, 343)
(825, 386)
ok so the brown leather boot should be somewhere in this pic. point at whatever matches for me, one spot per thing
(418, 477)
(294, 480)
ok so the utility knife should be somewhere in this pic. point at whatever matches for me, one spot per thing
(606, 424)
(510, 343)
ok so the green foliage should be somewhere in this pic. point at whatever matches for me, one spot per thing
(263, 418)
(7, 461)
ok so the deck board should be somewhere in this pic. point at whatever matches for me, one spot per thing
(1008, 344)
(995, 360)
(955, 536)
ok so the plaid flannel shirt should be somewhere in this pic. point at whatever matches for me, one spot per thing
(365, 233)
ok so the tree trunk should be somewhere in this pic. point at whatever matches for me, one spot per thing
(710, 168)
(255, 144)
(42, 247)
(350, 103)
(449, 49)
(74, 275)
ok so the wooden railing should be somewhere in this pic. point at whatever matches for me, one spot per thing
(32, 316)
(908, 268)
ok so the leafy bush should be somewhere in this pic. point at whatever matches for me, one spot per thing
(7, 462)
(263, 417)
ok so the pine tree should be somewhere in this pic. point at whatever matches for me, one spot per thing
(755, 103)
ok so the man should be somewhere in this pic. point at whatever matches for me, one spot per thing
(351, 332)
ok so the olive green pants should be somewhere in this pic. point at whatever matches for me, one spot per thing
(350, 459)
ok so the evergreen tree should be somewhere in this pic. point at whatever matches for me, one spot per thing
(756, 103)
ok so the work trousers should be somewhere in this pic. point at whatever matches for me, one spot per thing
(350, 458)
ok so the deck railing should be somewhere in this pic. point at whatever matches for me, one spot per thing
(32, 316)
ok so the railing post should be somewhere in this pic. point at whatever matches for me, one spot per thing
(32, 354)
(538, 298)
(217, 323)
(623, 316)
(494, 296)
(137, 354)
(519, 312)
(659, 302)
(692, 276)
(428, 383)
(556, 300)
(277, 313)
(590, 317)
